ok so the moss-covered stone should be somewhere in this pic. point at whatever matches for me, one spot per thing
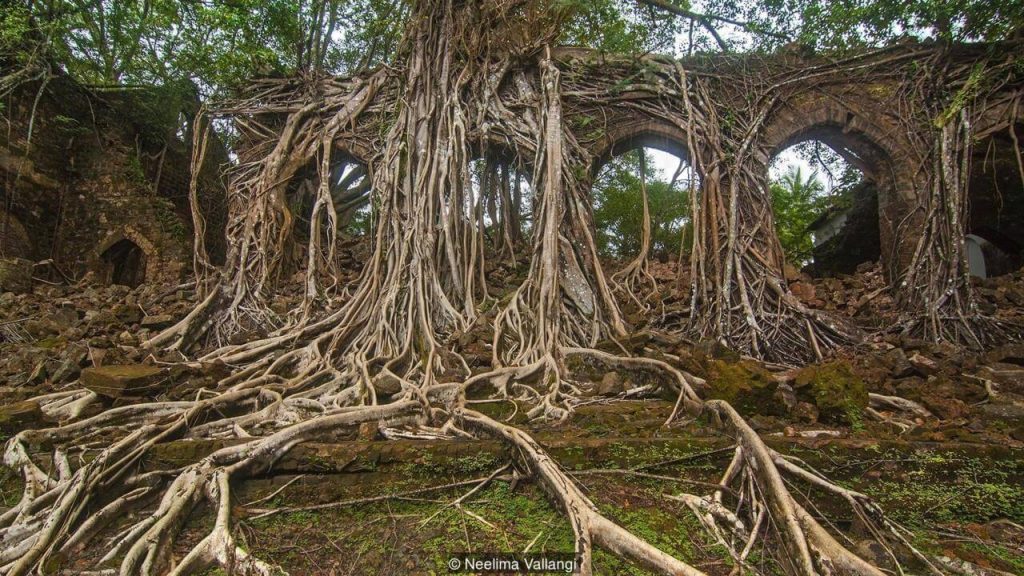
(744, 384)
(835, 389)
(17, 416)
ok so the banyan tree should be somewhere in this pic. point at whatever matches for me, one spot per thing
(478, 94)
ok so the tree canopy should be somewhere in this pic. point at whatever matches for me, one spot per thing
(218, 43)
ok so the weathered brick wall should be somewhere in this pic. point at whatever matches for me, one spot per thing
(92, 175)
(14, 238)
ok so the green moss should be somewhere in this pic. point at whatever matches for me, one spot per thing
(52, 342)
(11, 485)
(1001, 553)
(938, 487)
(833, 387)
(134, 172)
(744, 384)
(169, 220)
(671, 532)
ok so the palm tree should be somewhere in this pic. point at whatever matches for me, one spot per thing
(797, 201)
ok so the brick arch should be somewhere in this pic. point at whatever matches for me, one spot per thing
(131, 234)
(642, 133)
(358, 151)
(860, 134)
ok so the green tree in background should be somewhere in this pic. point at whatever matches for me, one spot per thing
(836, 25)
(797, 201)
(618, 208)
(217, 44)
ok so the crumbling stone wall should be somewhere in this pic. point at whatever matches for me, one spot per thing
(856, 118)
(97, 171)
(94, 173)
(852, 117)
(14, 239)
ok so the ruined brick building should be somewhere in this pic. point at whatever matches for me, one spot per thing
(97, 181)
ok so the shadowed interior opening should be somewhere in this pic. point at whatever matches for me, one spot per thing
(125, 263)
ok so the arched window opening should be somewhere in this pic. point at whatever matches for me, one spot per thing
(125, 263)
(995, 201)
(351, 193)
(349, 187)
(826, 208)
(617, 196)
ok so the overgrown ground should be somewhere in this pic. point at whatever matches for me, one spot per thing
(951, 494)
(365, 504)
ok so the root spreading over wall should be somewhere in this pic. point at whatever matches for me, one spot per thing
(474, 80)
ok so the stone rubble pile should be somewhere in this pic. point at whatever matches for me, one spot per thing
(53, 336)
(49, 335)
(863, 295)
(1002, 296)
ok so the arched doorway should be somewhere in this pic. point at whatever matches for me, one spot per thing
(995, 201)
(125, 263)
(857, 212)
(651, 162)
(345, 216)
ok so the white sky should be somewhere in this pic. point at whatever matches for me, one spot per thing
(667, 163)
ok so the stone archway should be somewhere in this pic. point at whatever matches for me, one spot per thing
(671, 215)
(125, 263)
(125, 257)
(633, 134)
(872, 147)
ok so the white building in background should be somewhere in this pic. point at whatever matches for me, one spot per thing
(975, 247)
(827, 226)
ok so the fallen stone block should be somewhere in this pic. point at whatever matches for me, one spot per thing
(19, 415)
(157, 321)
(129, 380)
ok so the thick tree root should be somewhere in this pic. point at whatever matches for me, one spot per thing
(589, 526)
(65, 511)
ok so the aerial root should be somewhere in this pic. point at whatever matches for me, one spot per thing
(219, 546)
(53, 522)
(808, 549)
(880, 408)
(897, 403)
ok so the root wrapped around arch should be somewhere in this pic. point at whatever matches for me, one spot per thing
(387, 351)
